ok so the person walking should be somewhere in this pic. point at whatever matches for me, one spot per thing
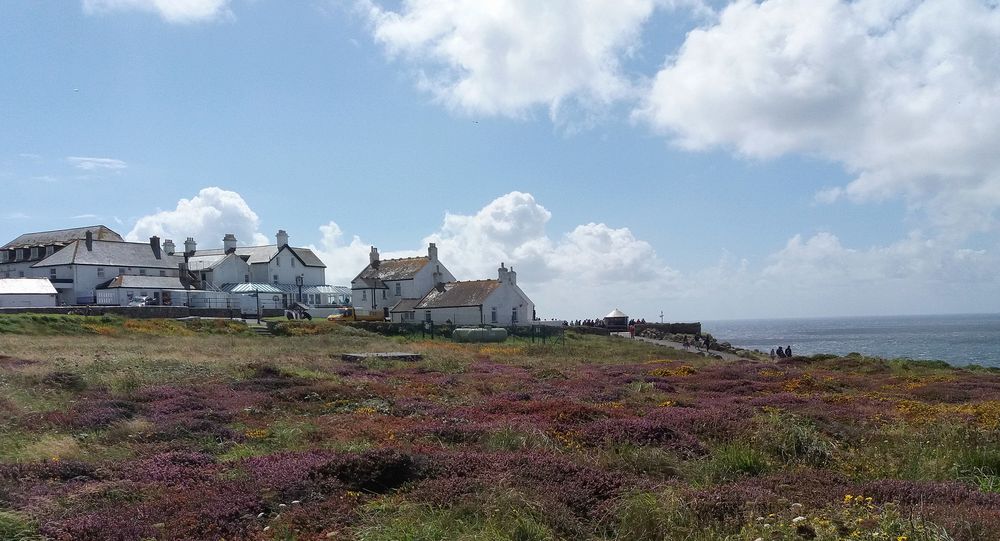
(772, 354)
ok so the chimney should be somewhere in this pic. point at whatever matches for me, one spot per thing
(154, 243)
(89, 239)
(373, 256)
(229, 243)
(190, 246)
(282, 238)
(512, 275)
(502, 273)
(168, 247)
(432, 252)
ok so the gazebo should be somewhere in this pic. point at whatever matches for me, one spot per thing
(616, 320)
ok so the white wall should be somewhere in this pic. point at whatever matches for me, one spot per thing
(466, 315)
(287, 267)
(21, 301)
(506, 298)
(232, 270)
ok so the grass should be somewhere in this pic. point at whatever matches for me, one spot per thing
(169, 430)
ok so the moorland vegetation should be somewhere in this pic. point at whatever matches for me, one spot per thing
(119, 429)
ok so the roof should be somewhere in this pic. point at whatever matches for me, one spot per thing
(62, 237)
(264, 254)
(454, 294)
(250, 287)
(132, 281)
(26, 286)
(111, 254)
(392, 269)
(203, 262)
(406, 305)
(616, 313)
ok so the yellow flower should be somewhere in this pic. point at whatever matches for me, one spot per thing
(902, 538)
(847, 498)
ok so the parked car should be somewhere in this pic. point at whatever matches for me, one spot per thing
(139, 301)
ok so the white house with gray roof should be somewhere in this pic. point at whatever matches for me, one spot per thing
(18, 255)
(474, 302)
(82, 266)
(384, 283)
(273, 266)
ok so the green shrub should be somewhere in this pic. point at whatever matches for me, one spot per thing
(793, 439)
(733, 460)
(14, 527)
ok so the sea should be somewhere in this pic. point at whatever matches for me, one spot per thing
(957, 339)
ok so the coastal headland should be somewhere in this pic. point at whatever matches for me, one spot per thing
(114, 428)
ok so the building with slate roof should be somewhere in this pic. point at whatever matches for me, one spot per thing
(18, 255)
(474, 302)
(82, 266)
(386, 282)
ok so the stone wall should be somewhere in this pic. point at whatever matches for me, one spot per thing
(135, 312)
(670, 328)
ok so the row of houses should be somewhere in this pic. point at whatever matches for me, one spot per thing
(95, 265)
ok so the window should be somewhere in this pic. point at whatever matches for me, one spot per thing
(277, 261)
(399, 289)
(121, 270)
(513, 315)
(427, 316)
(493, 314)
(142, 272)
(246, 278)
(163, 273)
(383, 294)
(49, 250)
(100, 272)
(20, 274)
(35, 252)
(364, 294)
(276, 278)
(52, 274)
(293, 261)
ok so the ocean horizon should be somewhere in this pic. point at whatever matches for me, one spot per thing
(959, 339)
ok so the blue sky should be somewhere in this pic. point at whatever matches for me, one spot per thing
(711, 160)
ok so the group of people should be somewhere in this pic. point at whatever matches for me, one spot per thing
(781, 353)
(599, 322)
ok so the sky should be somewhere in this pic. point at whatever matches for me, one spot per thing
(706, 160)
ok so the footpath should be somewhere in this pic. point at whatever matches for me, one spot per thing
(692, 349)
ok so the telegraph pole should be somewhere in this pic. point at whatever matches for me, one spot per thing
(661, 316)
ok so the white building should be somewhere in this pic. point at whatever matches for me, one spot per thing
(18, 255)
(385, 283)
(82, 266)
(263, 269)
(26, 292)
(477, 302)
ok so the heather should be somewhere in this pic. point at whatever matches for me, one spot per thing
(160, 432)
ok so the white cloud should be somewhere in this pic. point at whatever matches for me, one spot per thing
(207, 217)
(508, 57)
(901, 92)
(96, 164)
(173, 11)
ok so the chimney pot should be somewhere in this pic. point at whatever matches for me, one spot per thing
(282, 238)
(190, 246)
(168, 247)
